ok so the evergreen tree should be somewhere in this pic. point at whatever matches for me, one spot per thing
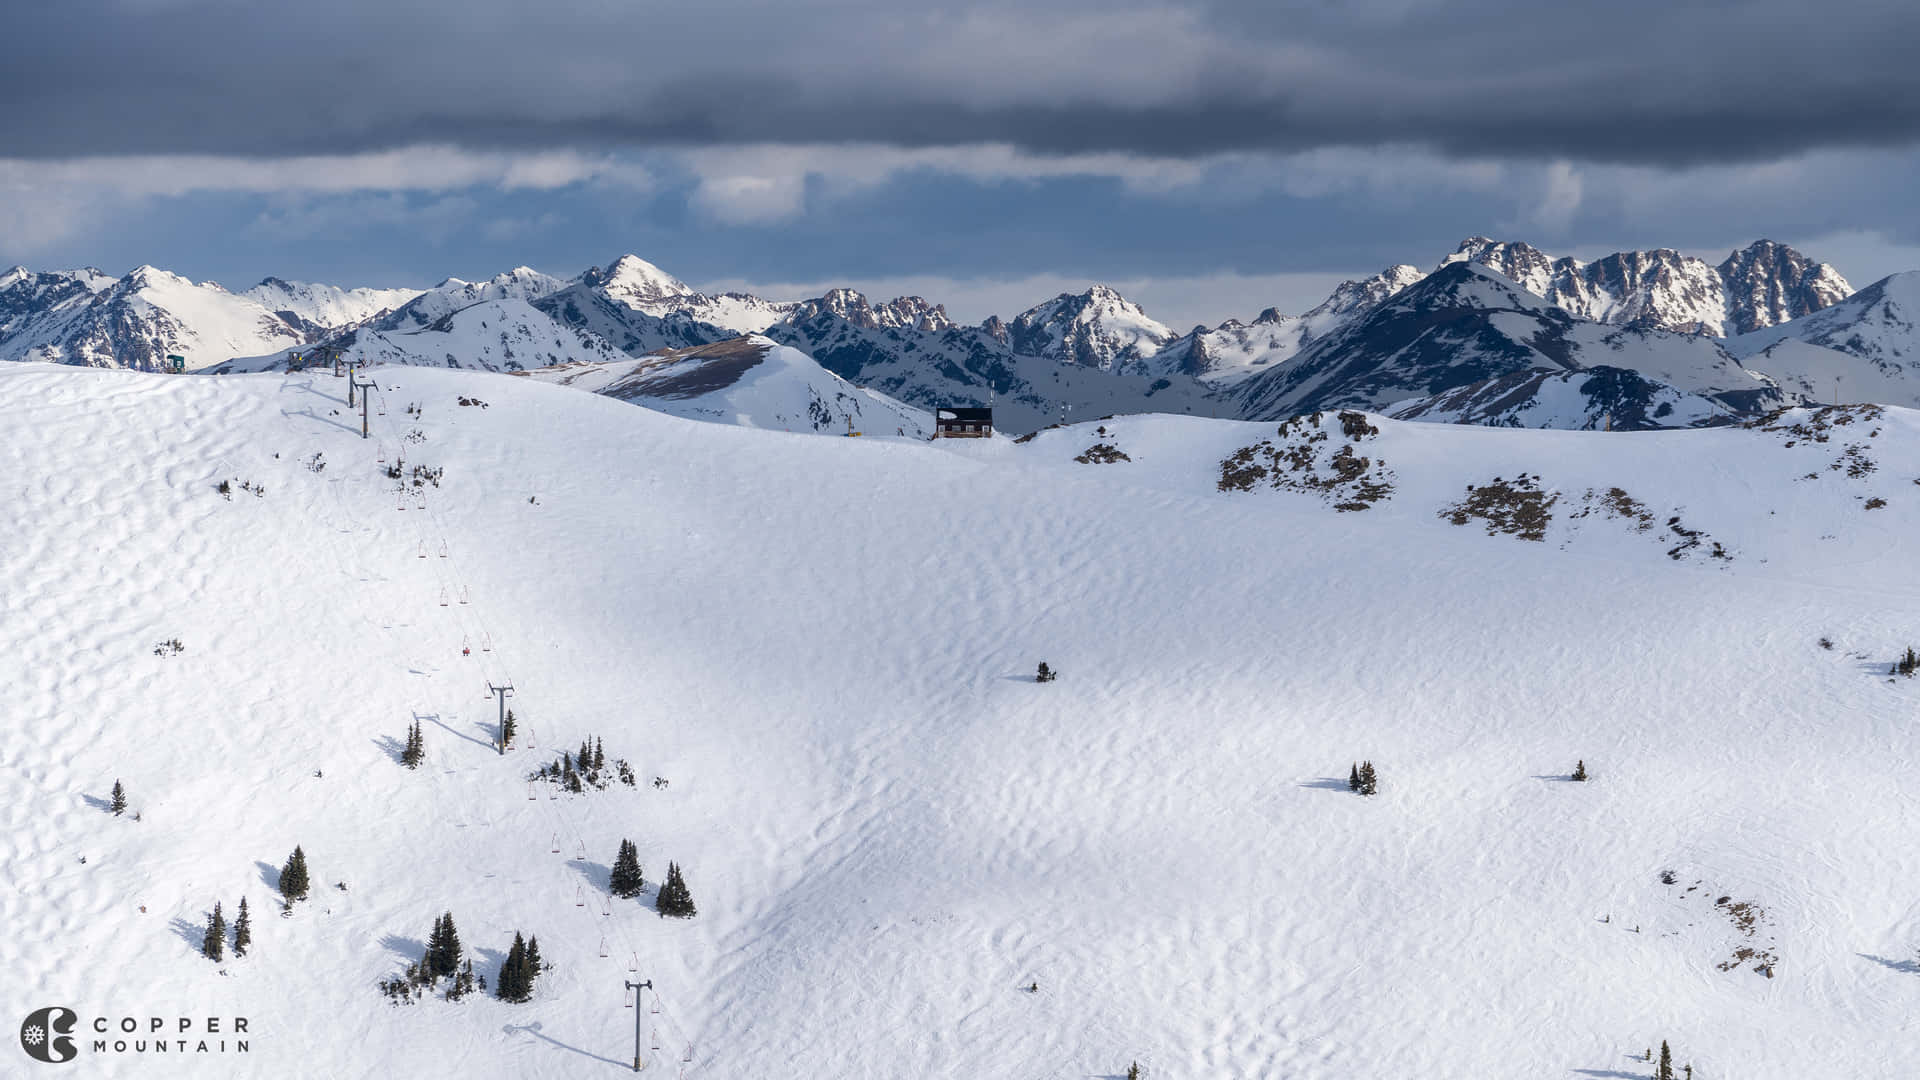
(1369, 784)
(119, 803)
(1353, 778)
(626, 881)
(507, 730)
(533, 962)
(1133, 1071)
(599, 755)
(1580, 769)
(443, 948)
(510, 985)
(213, 946)
(416, 750)
(674, 899)
(1664, 1071)
(293, 877)
(462, 982)
(1045, 674)
(242, 930)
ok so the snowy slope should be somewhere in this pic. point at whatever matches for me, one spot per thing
(1870, 342)
(748, 381)
(640, 285)
(825, 645)
(453, 294)
(491, 335)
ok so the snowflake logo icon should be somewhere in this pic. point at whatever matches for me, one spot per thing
(47, 1035)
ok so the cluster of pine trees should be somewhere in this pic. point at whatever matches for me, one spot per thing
(1045, 674)
(213, 944)
(443, 960)
(1361, 779)
(1664, 1070)
(1907, 665)
(519, 970)
(577, 772)
(1579, 770)
(416, 748)
(626, 881)
(674, 899)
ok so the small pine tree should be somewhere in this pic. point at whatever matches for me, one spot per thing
(674, 900)
(213, 946)
(510, 984)
(1133, 1071)
(1664, 1071)
(1045, 674)
(507, 730)
(626, 881)
(462, 982)
(1369, 784)
(119, 801)
(416, 750)
(1580, 770)
(1353, 778)
(599, 755)
(293, 877)
(242, 930)
(533, 961)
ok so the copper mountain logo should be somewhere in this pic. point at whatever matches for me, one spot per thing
(46, 1034)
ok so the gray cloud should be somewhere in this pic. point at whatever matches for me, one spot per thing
(1632, 82)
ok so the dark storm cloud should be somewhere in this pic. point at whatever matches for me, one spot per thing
(1634, 81)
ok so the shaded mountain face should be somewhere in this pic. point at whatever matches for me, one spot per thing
(86, 318)
(1464, 325)
(1768, 284)
(1098, 328)
(1864, 348)
(1596, 398)
(903, 312)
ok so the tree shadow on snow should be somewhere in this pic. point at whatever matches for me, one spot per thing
(269, 874)
(1328, 783)
(97, 803)
(1905, 967)
(194, 934)
(1558, 778)
(392, 747)
(533, 1029)
(599, 875)
(410, 949)
(1612, 1074)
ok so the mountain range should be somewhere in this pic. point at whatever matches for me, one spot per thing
(1498, 332)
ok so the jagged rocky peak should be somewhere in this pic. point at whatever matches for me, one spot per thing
(1659, 289)
(1352, 296)
(852, 306)
(1769, 283)
(1516, 260)
(633, 280)
(1097, 328)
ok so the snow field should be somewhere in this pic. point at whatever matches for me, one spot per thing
(826, 645)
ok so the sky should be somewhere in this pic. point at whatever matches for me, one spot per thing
(1209, 158)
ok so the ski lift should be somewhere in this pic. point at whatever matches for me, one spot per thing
(583, 851)
(629, 998)
(579, 896)
(689, 1056)
(634, 964)
(423, 549)
(603, 952)
(382, 458)
(443, 598)
(656, 1012)
(466, 594)
(443, 549)
(606, 905)
(556, 843)
(486, 641)
(530, 795)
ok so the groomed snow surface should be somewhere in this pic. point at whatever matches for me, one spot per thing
(826, 646)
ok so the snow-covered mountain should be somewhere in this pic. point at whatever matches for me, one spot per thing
(1760, 285)
(491, 335)
(638, 284)
(850, 306)
(1870, 342)
(453, 294)
(324, 309)
(1098, 328)
(1234, 350)
(749, 381)
(1591, 399)
(136, 321)
(909, 858)
(1465, 324)
(979, 365)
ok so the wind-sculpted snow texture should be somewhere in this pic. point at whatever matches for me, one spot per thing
(827, 646)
